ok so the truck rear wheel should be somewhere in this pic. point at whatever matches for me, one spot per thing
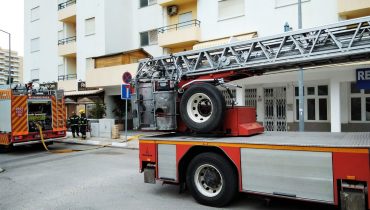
(211, 180)
(202, 107)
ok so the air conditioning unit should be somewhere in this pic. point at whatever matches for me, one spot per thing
(172, 10)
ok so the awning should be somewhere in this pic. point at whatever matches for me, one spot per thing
(69, 101)
(226, 40)
(83, 93)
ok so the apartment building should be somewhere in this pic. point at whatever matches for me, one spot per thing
(16, 67)
(99, 40)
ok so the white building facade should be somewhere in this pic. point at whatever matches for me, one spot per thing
(16, 67)
(61, 42)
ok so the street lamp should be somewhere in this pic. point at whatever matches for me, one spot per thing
(10, 57)
(301, 78)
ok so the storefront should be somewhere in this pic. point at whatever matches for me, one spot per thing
(91, 101)
(332, 99)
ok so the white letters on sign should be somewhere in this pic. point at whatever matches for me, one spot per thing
(363, 75)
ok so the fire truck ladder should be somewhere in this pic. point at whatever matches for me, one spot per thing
(345, 41)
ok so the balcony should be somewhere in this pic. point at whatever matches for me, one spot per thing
(67, 77)
(67, 47)
(165, 3)
(179, 35)
(68, 85)
(67, 11)
(109, 76)
(353, 8)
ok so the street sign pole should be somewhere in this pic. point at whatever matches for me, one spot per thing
(126, 113)
(125, 95)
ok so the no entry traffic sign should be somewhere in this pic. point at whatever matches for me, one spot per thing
(126, 77)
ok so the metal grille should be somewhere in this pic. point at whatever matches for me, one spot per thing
(229, 100)
(275, 109)
(251, 97)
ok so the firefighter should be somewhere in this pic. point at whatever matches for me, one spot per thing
(83, 124)
(73, 122)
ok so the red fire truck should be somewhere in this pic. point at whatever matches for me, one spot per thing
(22, 107)
(216, 151)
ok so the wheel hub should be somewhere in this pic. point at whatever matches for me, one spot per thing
(208, 180)
(212, 178)
(199, 107)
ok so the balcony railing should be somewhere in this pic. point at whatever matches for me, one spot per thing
(67, 77)
(67, 40)
(178, 26)
(66, 4)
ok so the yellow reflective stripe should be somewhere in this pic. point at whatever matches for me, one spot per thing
(263, 146)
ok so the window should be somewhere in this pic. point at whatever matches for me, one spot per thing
(230, 8)
(360, 104)
(90, 26)
(60, 35)
(60, 69)
(35, 77)
(316, 103)
(35, 14)
(148, 38)
(145, 3)
(185, 17)
(35, 44)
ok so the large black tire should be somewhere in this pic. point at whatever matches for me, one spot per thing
(202, 108)
(211, 180)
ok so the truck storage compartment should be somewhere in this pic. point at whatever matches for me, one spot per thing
(39, 111)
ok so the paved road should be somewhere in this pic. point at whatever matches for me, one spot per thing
(105, 178)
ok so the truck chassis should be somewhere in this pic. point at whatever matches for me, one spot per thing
(330, 168)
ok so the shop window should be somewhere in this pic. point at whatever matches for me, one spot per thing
(316, 103)
(311, 91)
(359, 104)
(322, 90)
(311, 109)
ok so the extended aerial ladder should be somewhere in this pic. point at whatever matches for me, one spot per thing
(161, 81)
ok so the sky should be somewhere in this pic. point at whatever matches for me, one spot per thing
(12, 21)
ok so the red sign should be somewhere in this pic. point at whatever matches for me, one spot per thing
(126, 77)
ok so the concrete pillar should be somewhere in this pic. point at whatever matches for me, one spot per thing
(240, 96)
(335, 105)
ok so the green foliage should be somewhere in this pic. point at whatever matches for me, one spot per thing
(98, 111)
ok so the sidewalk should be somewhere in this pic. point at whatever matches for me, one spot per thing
(132, 136)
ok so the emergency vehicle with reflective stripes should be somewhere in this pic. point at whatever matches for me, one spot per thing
(216, 151)
(24, 106)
